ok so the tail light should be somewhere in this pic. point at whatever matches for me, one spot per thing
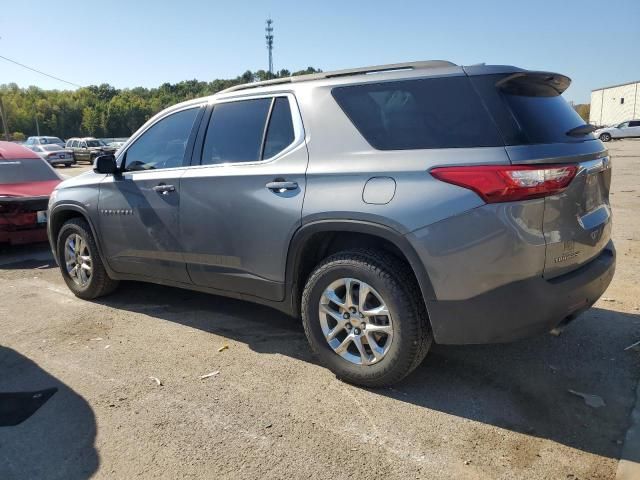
(508, 183)
(53, 155)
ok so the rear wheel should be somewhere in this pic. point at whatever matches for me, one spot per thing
(605, 137)
(80, 263)
(363, 316)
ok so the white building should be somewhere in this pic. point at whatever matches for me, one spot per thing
(615, 104)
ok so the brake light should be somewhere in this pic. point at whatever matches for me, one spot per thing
(508, 183)
(52, 155)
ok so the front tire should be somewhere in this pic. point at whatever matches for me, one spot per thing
(80, 262)
(605, 137)
(363, 316)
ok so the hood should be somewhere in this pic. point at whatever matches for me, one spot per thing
(31, 189)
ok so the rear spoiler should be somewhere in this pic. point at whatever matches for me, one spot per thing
(534, 84)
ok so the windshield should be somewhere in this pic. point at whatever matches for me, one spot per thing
(51, 140)
(25, 171)
(622, 125)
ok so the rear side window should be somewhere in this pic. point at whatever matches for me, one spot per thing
(280, 130)
(634, 123)
(419, 114)
(25, 171)
(235, 132)
(248, 131)
(528, 113)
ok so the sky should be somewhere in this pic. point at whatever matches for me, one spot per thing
(147, 43)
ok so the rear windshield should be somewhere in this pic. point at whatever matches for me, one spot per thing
(94, 143)
(527, 116)
(51, 140)
(25, 171)
(417, 114)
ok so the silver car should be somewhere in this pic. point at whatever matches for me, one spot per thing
(54, 154)
(628, 129)
(388, 207)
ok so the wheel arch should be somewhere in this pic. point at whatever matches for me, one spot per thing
(315, 241)
(61, 214)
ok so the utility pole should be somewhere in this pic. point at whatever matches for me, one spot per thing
(269, 37)
(4, 121)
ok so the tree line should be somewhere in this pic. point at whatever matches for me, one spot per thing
(103, 110)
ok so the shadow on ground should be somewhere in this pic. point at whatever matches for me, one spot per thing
(57, 441)
(521, 386)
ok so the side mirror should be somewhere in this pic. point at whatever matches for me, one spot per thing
(105, 164)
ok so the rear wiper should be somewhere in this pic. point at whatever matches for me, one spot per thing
(581, 130)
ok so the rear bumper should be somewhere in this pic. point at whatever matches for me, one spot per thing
(523, 308)
(30, 235)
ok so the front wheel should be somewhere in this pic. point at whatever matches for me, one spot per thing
(363, 316)
(80, 263)
(605, 137)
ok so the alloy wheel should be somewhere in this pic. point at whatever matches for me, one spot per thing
(78, 260)
(355, 321)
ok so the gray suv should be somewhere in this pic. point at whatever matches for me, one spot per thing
(388, 207)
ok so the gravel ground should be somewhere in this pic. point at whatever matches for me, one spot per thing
(490, 412)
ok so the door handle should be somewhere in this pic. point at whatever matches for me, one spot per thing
(281, 186)
(164, 189)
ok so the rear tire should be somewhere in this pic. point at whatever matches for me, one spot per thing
(388, 283)
(80, 262)
(605, 137)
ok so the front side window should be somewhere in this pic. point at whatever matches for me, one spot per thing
(164, 144)
(75, 144)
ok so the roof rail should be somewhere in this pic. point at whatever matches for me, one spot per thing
(344, 73)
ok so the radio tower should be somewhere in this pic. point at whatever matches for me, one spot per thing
(269, 36)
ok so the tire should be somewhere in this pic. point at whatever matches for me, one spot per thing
(98, 282)
(605, 137)
(394, 284)
(67, 165)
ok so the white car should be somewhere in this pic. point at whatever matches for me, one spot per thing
(627, 129)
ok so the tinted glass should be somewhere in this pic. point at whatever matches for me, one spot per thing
(280, 130)
(634, 123)
(47, 140)
(23, 171)
(94, 143)
(235, 132)
(163, 145)
(415, 114)
(537, 117)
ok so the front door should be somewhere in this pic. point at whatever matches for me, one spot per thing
(139, 208)
(240, 207)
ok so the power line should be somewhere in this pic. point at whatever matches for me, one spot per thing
(40, 72)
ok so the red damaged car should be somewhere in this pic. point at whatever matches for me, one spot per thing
(26, 181)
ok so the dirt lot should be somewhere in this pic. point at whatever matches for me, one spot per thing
(500, 411)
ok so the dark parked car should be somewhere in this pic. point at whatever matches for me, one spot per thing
(88, 148)
(388, 207)
(26, 181)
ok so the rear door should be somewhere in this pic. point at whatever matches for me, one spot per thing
(242, 204)
(536, 123)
